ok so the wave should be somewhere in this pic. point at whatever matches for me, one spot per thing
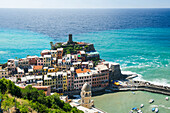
(162, 81)
(3, 52)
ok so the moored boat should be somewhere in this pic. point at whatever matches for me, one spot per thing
(153, 109)
(135, 108)
(131, 111)
(139, 111)
(167, 98)
(142, 105)
(151, 101)
(156, 110)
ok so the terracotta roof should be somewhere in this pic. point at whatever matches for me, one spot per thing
(64, 60)
(37, 67)
(80, 42)
(82, 70)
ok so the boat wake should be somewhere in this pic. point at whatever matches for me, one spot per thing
(163, 106)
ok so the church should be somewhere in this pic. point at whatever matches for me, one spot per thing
(85, 103)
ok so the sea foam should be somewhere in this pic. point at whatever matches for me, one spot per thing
(3, 52)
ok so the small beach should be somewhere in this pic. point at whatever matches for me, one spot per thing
(123, 102)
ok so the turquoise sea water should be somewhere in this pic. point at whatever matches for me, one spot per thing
(20, 43)
(145, 51)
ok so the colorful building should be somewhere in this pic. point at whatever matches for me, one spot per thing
(47, 60)
(37, 70)
(32, 60)
(59, 53)
(100, 77)
(40, 61)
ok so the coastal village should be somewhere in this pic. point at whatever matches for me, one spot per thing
(68, 68)
(73, 69)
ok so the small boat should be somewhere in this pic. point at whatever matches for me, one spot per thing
(139, 111)
(131, 111)
(151, 101)
(167, 98)
(153, 109)
(135, 108)
(133, 92)
(142, 105)
(156, 110)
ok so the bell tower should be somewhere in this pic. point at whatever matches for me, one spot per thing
(86, 96)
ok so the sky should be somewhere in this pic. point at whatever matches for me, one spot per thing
(84, 3)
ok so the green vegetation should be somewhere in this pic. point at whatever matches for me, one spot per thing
(68, 49)
(95, 60)
(34, 99)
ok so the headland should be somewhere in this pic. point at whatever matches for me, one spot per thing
(67, 66)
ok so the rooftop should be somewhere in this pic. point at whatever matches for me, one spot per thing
(47, 56)
(32, 56)
(82, 70)
(38, 67)
(59, 49)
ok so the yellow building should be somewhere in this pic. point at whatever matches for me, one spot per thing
(53, 53)
(51, 70)
(64, 81)
(3, 73)
(53, 81)
(47, 60)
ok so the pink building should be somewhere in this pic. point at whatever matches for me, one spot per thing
(70, 79)
(100, 76)
(82, 76)
(40, 61)
(32, 60)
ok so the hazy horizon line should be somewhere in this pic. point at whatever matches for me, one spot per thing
(88, 8)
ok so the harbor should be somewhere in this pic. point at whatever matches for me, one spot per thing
(123, 102)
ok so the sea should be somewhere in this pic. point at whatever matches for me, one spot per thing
(138, 39)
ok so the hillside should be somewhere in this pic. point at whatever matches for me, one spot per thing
(31, 100)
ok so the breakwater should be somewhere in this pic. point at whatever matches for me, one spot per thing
(141, 86)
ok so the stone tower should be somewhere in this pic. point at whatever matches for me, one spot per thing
(86, 96)
(70, 41)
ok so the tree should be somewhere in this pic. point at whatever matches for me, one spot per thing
(68, 52)
(3, 85)
(23, 109)
(66, 107)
